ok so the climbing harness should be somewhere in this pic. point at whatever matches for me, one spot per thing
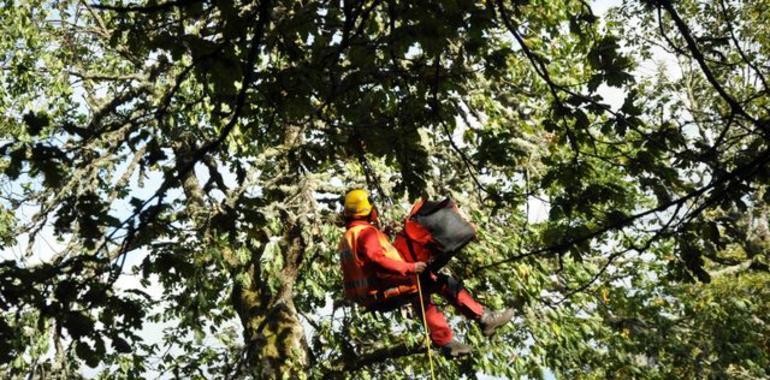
(425, 326)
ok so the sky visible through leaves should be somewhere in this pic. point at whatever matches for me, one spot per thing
(177, 167)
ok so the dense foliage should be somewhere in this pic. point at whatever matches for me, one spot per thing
(171, 174)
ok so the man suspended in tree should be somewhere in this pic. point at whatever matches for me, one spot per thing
(381, 278)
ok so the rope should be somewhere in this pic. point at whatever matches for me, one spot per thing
(372, 179)
(425, 325)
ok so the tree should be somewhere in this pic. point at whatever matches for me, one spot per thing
(208, 143)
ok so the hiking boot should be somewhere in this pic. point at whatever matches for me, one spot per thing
(491, 320)
(455, 348)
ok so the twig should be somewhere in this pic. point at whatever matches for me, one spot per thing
(147, 8)
(189, 164)
(699, 58)
(742, 172)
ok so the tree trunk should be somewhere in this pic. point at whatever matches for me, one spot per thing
(273, 335)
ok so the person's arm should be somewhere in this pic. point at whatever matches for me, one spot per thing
(369, 244)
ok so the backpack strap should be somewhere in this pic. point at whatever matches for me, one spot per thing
(409, 246)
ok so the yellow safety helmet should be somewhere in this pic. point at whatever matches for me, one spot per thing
(357, 203)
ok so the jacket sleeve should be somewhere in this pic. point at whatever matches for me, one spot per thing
(369, 244)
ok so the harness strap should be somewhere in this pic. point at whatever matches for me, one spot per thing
(410, 246)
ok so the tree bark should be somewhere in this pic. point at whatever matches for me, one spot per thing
(273, 335)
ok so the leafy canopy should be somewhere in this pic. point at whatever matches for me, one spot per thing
(176, 166)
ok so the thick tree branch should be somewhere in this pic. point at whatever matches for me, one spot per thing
(349, 364)
(744, 56)
(160, 7)
(436, 113)
(612, 257)
(743, 172)
(737, 269)
(188, 163)
(692, 46)
(542, 72)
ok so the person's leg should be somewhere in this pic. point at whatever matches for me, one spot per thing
(453, 291)
(440, 332)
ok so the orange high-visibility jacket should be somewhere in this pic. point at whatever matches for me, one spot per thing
(372, 269)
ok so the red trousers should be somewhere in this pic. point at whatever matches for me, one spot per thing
(452, 291)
